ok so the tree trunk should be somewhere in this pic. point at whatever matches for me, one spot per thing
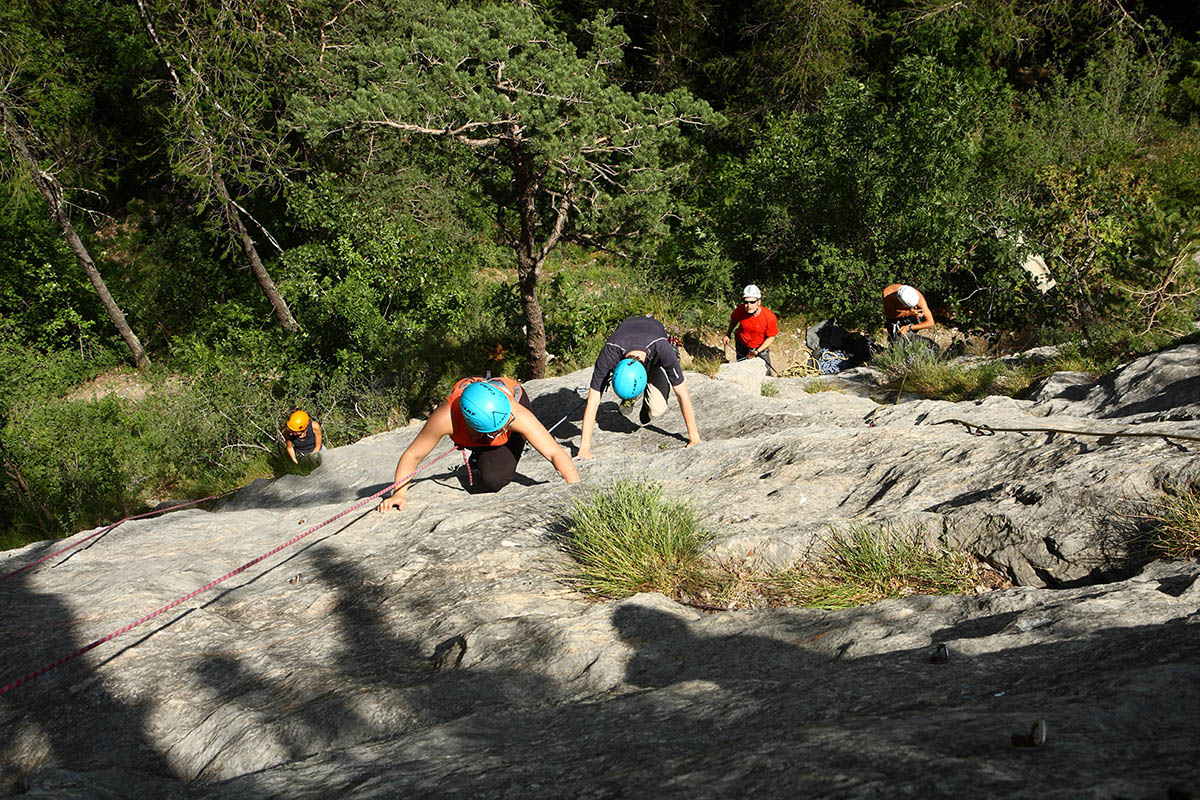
(36, 509)
(283, 314)
(229, 210)
(48, 187)
(529, 263)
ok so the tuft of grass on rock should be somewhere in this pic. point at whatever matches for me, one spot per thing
(769, 389)
(706, 366)
(628, 538)
(824, 385)
(1174, 523)
(916, 368)
(864, 564)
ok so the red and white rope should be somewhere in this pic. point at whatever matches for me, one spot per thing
(163, 609)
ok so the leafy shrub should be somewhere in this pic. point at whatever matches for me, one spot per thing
(832, 205)
(45, 299)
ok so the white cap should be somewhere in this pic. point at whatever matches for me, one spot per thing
(752, 291)
(909, 296)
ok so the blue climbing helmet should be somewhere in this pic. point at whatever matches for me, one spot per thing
(485, 407)
(629, 378)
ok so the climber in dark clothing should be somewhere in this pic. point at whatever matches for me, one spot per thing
(638, 359)
(302, 436)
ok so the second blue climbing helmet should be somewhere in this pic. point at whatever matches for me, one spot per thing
(629, 378)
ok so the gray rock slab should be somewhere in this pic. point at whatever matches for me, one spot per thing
(1161, 386)
(747, 374)
(440, 651)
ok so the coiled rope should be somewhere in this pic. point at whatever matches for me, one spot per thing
(8, 687)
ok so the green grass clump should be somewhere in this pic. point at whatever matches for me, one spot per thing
(904, 357)
(816, 387)
(913, 367)
(769, 390)
(706, 366)
(868, 563)
(1174, 523)
(628, 538)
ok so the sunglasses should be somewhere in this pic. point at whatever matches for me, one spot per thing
(750, 302)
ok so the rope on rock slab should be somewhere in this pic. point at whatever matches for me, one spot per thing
(105, 530)
(990, 430)
(8, 687)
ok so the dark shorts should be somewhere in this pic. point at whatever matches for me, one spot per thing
(743, 352)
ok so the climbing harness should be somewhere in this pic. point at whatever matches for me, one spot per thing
(163, 609)
(103, 531)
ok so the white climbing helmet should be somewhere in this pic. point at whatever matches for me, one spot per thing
(909, 296)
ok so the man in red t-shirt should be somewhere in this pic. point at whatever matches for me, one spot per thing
(756, 327)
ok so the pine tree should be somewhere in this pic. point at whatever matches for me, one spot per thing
(565, 154)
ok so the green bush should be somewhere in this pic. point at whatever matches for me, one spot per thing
(830, 206)
(45, 299)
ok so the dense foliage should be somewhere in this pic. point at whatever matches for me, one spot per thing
(347, 206)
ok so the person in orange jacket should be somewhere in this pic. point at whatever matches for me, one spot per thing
(492, 418)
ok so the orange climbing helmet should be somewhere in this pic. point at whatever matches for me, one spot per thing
(298, 421)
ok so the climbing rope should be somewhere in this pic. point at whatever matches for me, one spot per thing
(103, 531)
(163, 609)
(988, 430)
(578, 390)
(467, 464)
(896, 402)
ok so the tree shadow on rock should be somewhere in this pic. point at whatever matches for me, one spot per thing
(557, 409)
(66, 719)
(698, 349)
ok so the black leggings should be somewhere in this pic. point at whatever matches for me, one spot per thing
(493, 468)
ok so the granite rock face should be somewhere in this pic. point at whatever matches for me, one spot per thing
(438, 652)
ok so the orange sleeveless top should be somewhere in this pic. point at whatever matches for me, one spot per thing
(463, 434)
